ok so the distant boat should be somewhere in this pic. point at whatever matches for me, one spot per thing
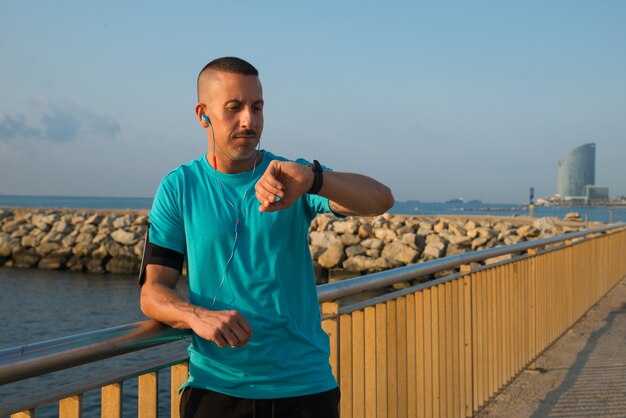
(458, 201)
(475, 202)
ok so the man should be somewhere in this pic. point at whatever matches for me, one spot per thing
(240, 216)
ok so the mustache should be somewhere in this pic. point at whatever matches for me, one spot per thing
(245, 132)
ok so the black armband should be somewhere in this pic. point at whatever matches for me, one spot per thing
(155, 254)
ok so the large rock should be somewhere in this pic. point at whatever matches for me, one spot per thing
(350, 239)
(47, 248)
(23, 230)
(52, 261)
(409, 239)
(11, 226)
(88, 229)
(69, 241)
(400, 252)
(121, 222)
(348, 226)
(502, 226)
(457, 230)
(138, 248)
(372, 244)
(512, 239)
(77, 219)
(332, 257)
(479, 242)
(456, 249)
(93, 219)
(315, 251)
(113, 248)
(432, 251)
(434, 239)
(544, 224)
(365, 230)
(355, 250)
(52, 236)
(61, 227)
(8, 244)
(528, 231)
(338, 274)
(470, 225)
(5, 213)
(361, 263)
(29, 241)
(141, 220)
(324, 239)
(25, 258)
(122, 265)
(75, 263)
(82, 249)
(440, 226)
(459, 240)
(123, 237)
(95, 265)
(385, 235)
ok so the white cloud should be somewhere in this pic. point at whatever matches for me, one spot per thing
(58, 123)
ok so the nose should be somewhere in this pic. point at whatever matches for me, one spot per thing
(247, 118)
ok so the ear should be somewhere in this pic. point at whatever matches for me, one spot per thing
(200, 109)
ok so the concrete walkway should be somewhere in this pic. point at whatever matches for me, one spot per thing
(582, 375)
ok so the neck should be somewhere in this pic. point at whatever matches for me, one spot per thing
(228, 166)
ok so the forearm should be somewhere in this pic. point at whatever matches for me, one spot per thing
(166, 305)
(160, 301)
(356, 194)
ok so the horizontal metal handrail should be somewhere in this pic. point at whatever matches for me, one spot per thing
(31, 360)
(93, 382)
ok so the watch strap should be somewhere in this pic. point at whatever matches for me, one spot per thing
(318, 180)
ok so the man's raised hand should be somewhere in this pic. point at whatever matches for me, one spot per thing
(282, 184)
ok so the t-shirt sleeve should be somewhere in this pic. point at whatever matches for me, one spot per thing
(167, 227)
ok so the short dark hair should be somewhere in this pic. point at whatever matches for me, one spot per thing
(228, 65)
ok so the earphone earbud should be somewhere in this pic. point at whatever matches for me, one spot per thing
(206, 118)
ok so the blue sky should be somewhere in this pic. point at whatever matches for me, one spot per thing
(436, 99)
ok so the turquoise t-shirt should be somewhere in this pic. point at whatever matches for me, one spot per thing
(270, 280)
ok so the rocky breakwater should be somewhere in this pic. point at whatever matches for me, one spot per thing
(78, 240)
(355, 246)
(112, 241)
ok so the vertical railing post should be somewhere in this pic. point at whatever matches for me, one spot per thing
(180, 374)
(392, 358)
(346, 370)
(24, 414)
(71, 407)
(370, 362)
(536, 332)
(330, 324)
(148, 389)
(467, 392)
(111, 401)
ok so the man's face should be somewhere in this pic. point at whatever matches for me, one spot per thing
(234, 103)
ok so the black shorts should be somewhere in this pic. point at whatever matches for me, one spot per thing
(197, 403)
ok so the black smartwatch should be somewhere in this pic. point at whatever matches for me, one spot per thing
(318, 180)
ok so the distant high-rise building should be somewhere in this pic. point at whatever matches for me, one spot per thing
(577, 170)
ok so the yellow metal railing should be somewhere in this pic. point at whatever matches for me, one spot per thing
(440, 349)
(445, 349)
